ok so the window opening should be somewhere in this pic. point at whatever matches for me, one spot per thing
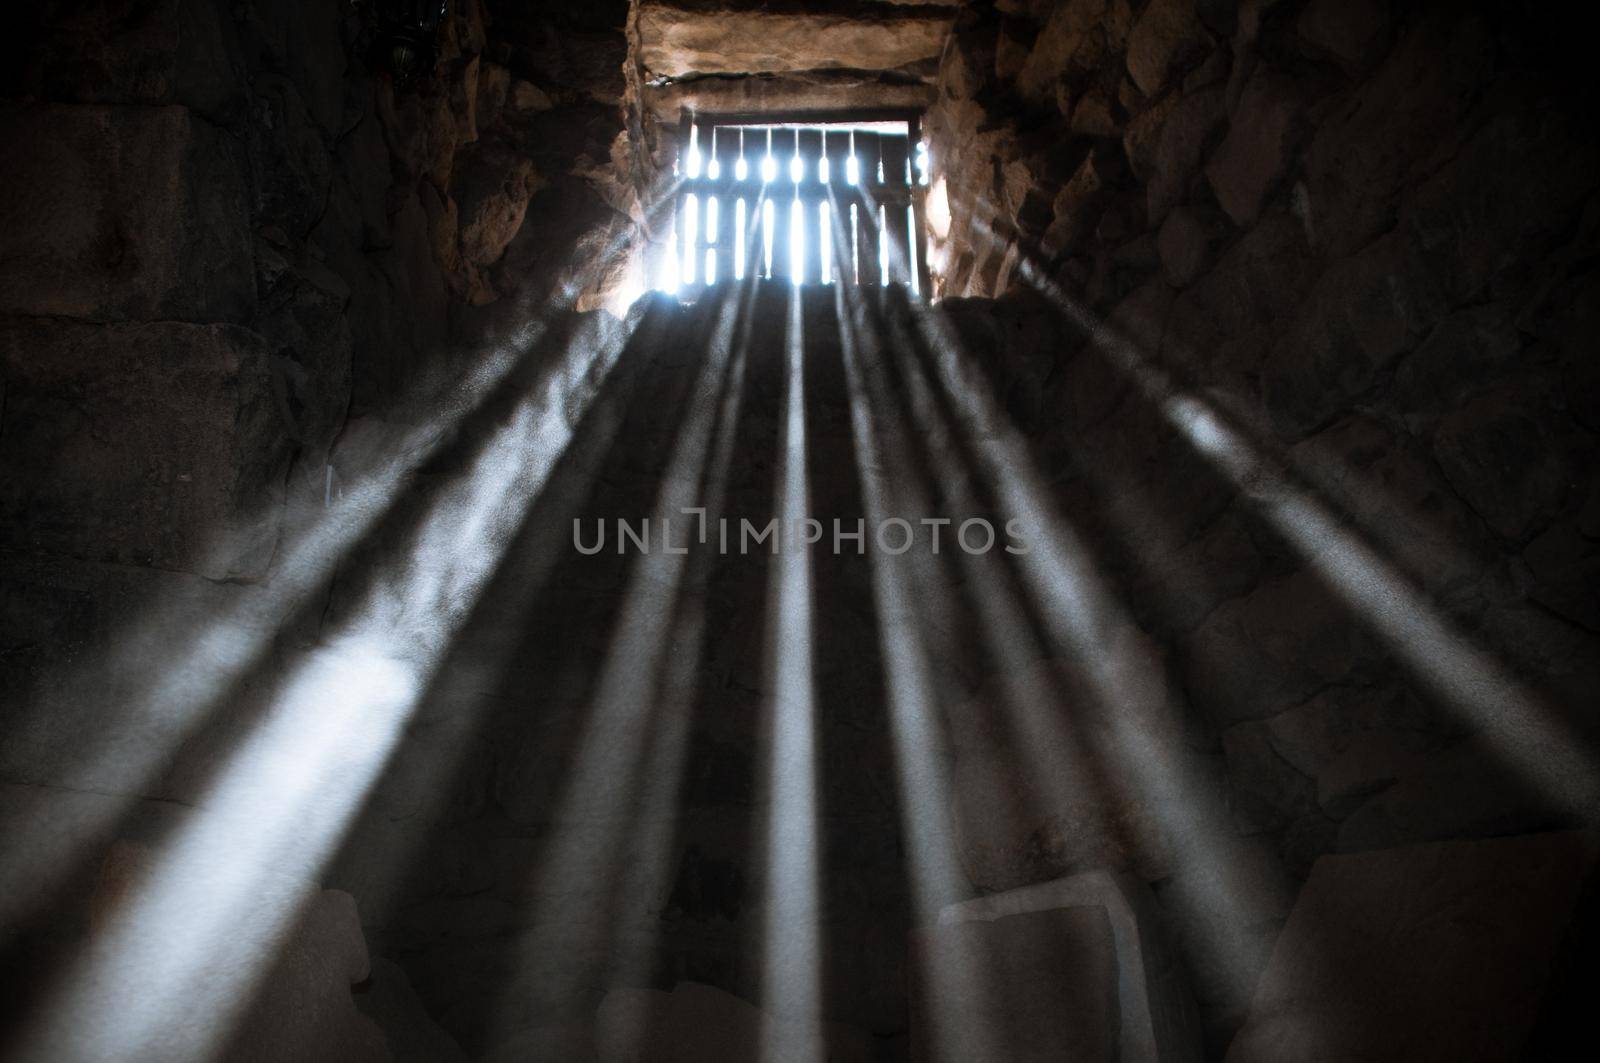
(811, 200)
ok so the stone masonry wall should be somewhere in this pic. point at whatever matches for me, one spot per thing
(225, 246)
(1365, 234)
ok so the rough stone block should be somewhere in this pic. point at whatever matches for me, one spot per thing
(305, 1010)
(699, 1022)
(1424, 954)
(1154, 1016)
(1175, 155)
(154, 444)
(111, 213)
(1352, 33)
(675, 41)
(1256, 656)
(1025, 987)
(1372, 145)
(1362, 315)
(1185, 244)
(1512, 458)
(1257, 151)
(1167, 37)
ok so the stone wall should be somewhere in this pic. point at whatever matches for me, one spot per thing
(228, 248)
(1363, 236)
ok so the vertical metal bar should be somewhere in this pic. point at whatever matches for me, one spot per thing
(919, 227)
(840, 196)
(810, 190)
(868, 156)
(896, 185)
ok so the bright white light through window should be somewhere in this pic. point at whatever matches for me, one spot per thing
(738, 240)
(766, 238)
(814, 231)
(911, 250)
(883, 246)
(797, 242)
(825, 237)
(691, 235)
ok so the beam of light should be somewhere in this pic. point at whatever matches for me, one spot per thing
(738, 240)
(912, 265)
(1138, 743)
(883, 247)
(797, 242)
(644, 884)
(825, 240)
(1523, 728)
(692, 157)
(604, 867)
(855, 246)
(691, 235)
(179, 960)
(925, 790)
(767, 211)
(177, 663)
(791, 982)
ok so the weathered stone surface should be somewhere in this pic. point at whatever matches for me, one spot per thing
(1076, 207)
(1167, 37)
(1256, 154)
(122, 212)
(1033, 985)
(144, 444)
(293, 167)
(306, 1011)
(1369, 147)
(410, 1033)
(1363, 314)
(1514, 190)
(1067, 31)
(1468, 352)
(1020, 815)
(698, 1022)
(675, 41)
(1366, 968)
(1353, 33)
(1260, 279)
(1512, 457)
(1155, 1014)
(1396, 498)
(492, 189)
(1185, 246)
(1174, 157)
(1265, 792)
(1256, 656)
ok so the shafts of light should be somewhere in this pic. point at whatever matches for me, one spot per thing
(641, 889)
(791, 970)
(1137, 741)
(179, 960)
(1522, 728)
(605, 863)
(889, 489)
(177, 664)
